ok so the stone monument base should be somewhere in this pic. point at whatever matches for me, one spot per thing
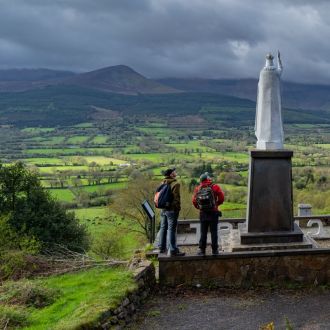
(296, 235)
(306, 243)
(270, 205)
(270, 201)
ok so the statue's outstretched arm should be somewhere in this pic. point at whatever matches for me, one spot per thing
(279, 62)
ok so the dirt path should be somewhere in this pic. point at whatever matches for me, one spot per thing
(237, 310)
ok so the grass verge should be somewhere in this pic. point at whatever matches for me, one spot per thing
(83, 297)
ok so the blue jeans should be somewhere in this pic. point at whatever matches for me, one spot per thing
(168, 225)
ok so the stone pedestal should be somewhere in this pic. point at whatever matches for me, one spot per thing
(270, 206)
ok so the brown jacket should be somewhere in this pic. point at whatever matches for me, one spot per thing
(175, 186)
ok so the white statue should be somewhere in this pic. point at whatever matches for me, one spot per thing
(268, 124)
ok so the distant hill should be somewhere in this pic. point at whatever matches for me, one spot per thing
(119, 79)
(115, 79)
(294, 95)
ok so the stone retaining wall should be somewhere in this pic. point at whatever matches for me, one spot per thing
(244, 269)
(144, 276)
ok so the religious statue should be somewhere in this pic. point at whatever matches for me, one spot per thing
(268, 124)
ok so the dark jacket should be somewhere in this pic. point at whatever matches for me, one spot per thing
(175, 186)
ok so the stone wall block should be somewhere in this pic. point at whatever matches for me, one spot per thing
(315, 263)
(118, 310)
(217, 269)
(279, 267)
(125, 302)
(122, 315)
(131, 308)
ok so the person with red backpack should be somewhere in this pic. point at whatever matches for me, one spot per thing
(167, 198)
(207, 197)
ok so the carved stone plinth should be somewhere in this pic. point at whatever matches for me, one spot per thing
(285, 236)
(270, 207)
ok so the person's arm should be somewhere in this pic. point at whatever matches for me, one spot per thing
(176, 196)
(279, 63)
(219, 193)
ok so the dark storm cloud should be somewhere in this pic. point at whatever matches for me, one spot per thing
(187, 38)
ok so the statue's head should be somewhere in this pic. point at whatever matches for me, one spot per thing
(269, 60)
(269, 56)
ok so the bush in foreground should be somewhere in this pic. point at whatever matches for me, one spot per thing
(33, 212)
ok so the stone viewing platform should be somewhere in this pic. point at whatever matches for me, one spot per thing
(189, 231)
(306, 263)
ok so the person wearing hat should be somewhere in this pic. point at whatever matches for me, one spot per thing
(209, 212)
(169, 216)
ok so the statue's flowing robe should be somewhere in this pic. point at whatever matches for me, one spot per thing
(268, 124)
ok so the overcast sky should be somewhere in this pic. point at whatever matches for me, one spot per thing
(168, 38)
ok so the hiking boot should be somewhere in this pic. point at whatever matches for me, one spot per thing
(201, 252)
(176, 253)
(215, 252)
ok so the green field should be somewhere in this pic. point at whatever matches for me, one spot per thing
(83, 297)
(37, 130)
(232, 156)
(77, 139)
(96, 219)
(227, 206)
(107, 186)
(194, 146)
(52, 169)
(325, 145)
(157, 131)
(43, 161)
(100, 139)
(160, 157)
(91, 213)
(62, 195)
(69, 151)
(101, 160)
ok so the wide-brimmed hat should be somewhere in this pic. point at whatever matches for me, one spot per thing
(169, 171)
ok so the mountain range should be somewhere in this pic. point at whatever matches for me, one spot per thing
(122, 79)
(51, 97)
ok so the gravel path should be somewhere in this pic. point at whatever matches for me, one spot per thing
(225, 309)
